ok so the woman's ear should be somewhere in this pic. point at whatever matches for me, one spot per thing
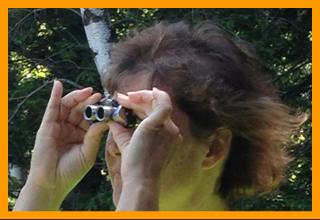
(218, 148)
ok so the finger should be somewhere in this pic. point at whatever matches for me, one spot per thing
(92, 141)
(111, 146)
(72, 99)
(84, 125)
(161, 108)
(141, 96)
(76, 113)
(124, 100)
(109, 138)
(53, 107)
(138, 103)
(157, 105)
(77, 135)
(114, 167)
(71, 135)
(120, 135)
(142, 101)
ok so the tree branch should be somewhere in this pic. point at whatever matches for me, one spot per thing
(36, 10)
(26, 97)
(24, 18)
(123, 21)
(294, 68)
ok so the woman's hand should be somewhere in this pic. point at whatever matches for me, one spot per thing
(147, 150)
(65, 150)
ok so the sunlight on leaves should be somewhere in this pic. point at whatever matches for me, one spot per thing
(310, 35)
(28, 69)
(43, 30)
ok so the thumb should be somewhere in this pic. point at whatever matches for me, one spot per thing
(53, 107)
(92, 141)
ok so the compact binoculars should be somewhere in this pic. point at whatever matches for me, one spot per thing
(109, 109)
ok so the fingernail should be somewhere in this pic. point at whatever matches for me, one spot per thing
(121, 96)
(88, 88)
(115, 95)
(55, 82)
(130, 93)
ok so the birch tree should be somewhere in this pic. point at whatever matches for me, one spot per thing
(98, 34)
(48, 43)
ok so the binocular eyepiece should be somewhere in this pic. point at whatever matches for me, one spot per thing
(109, 109)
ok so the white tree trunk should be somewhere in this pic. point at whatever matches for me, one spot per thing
(98, 34)
(16, 171)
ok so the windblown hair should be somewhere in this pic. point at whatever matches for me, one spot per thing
(218, 80)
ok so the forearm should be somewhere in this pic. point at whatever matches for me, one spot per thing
(139, 195)
(34, 198)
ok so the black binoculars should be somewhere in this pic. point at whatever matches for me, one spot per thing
(109, 109)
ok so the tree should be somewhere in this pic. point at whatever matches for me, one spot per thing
(98, 34)
(50, 43)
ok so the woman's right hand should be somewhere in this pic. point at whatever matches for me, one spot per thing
(65, 149)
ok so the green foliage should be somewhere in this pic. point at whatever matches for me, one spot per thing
(50, 43)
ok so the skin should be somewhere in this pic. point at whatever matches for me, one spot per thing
(65, 150)
(158, 166)
(186, 178)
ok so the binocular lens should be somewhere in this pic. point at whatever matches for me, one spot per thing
(104, 113)
(89, 113)
(100, 114)
(96, 113)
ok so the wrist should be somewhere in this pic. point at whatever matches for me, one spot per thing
(139, 194)
(145, 180)
(35, 197)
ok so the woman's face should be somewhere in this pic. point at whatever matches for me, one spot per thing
(182, 174)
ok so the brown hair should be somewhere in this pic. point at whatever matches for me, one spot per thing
(217, 80)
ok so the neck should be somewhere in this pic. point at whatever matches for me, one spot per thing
(200, 197)
(206, 201)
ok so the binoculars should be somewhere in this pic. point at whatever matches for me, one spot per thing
(109, 109)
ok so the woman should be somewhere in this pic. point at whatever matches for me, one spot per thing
(212, 126)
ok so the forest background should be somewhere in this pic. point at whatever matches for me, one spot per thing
(45, 44)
